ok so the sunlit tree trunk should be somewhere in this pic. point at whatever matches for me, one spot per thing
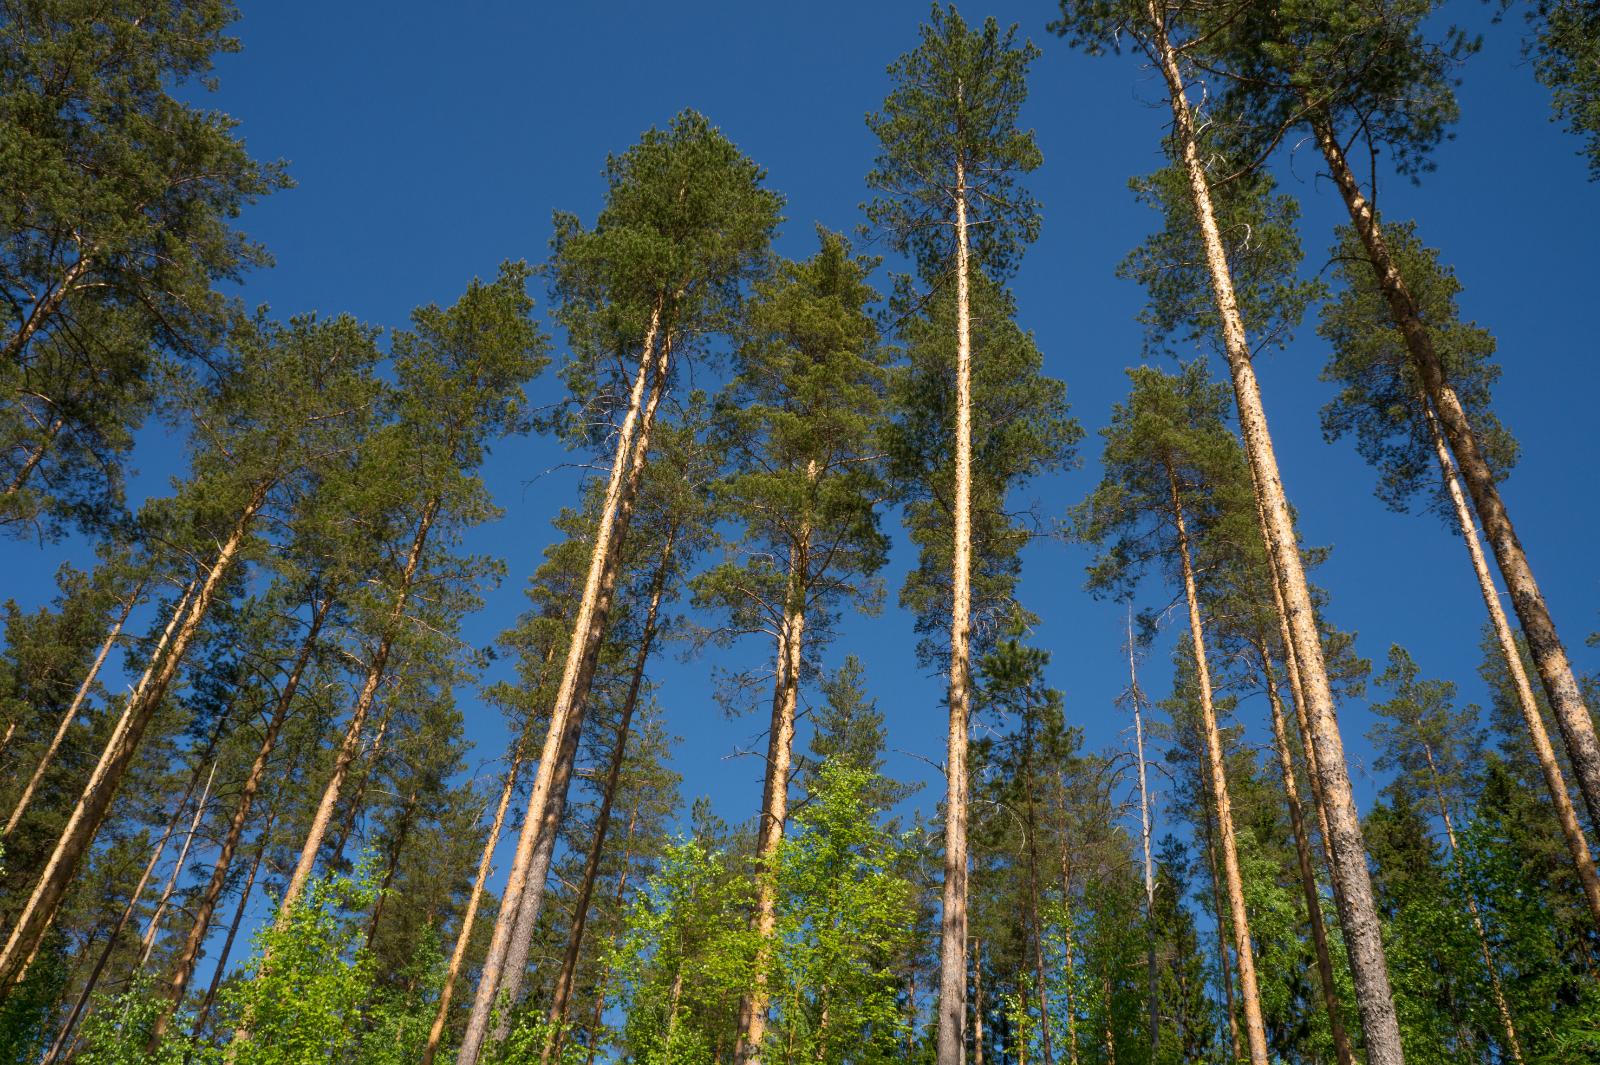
(561, 998)
(588, 627)
(1308, 877)
(1357, 905)
(1549, 657)
(1146, 827)
(71, 715)
(90, 812)
(1555, 782)
(977, 1002)
(953, 915)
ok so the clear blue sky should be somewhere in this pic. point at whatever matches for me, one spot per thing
(431, 141)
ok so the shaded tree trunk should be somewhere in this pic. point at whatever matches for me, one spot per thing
(92, 806)
(1357, 905)
(233, 927)
(153, 929)
(1544, 643)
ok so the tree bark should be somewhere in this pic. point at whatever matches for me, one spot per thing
(1308, 877)
(1555, 782)
(1549, 657)
(953, 914)
(470, 916)
(1136, 698)
(1254, 1026)
(402, 833)
(588, 627)
(47, 306)
(556, 1016)
(1358, 910)
(351, 744)
(71, 715)
(977, 1002)
(153, 928)
(35, 457)
(233, 926)
(1066, 937)
(1496, 991)
(92, 806)
(358, 798)
(775, 787)
(206, 907)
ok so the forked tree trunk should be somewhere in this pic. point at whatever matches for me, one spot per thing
(1554, 779)
(1326, 982)
(775, 786)
(560, 1000)
(206, 905)
(1358, 909)
(1496, 991)
(351, 744)
(71, 715)
(1254, 1026)
(587, 629)
(468, 918)
(953, 912)
(1549, 657)
(90, 812)
(153, 928)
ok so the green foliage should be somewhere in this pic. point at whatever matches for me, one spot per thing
(1566, 59)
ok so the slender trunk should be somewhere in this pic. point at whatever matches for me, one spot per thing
(233, 927)
(1308, 877)
(358, 798)
(1037, 924)
(560, 1000)
(1110, 1033)
(953, 915)
(132, 905)
(470, 915)
(588, 627)
(35, 457)
(5, 741)
(1357, 906)
(153, 928)
(1066, 941)
(775, 787)
(1255, 1027)
(1555, 782)
(402, 833)
(351, 744)
(1152, 975)
(90, 812)
(1496, 991)
(206, 905)
(977, 1002)
(71, 715)
(47, 306)
(1225, 963)
(1549, 657)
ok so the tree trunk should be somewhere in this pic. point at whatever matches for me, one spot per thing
(1513, 1044)
(953, 914)
(1555, 782)
(588, 627)
(402, 833)
(977, 1002)
(358, 798)
(1308, 877)
(122, 922)
(1136, 698)
(351, 744)
(1224, 962)
(72, 712)
(775, 787)
(90, 812)
(1358, 909)
(153, 928)
(556, 1016)
(1550, 658)
(233, 927)
(1254, 1026)
(470, 916)
(1066, 940)
(48, 305)
(35, 457)
(206, 906)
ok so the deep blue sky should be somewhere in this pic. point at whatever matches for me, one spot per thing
(431, 141)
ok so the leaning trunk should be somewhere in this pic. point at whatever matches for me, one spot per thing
(71, 715)
(92, 806)
(153, 929)
(1357, 905)
(1554, 779)
(1549, 657)
(588, 628)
